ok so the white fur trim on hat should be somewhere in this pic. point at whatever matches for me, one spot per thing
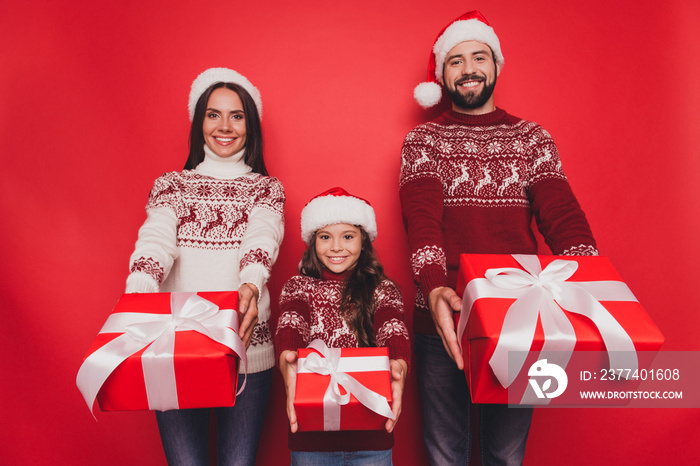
(463, 31)
(337, 206)
(221, 75)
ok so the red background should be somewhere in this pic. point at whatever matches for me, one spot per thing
(93, 108)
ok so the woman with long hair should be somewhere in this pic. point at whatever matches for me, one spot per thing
(217, 226)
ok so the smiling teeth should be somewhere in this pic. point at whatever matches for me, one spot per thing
(224, 139)
(470, 84)
(336, 260)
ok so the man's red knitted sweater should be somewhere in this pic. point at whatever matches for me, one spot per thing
(472, 184)
(311, 310)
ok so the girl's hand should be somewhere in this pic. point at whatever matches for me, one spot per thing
(247, 311)
(288, 367)
(399, 369)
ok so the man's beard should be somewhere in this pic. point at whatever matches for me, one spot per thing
(471, 100)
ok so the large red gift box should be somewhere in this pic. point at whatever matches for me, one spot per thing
(510, 299)
(192, 353)
(315, 402)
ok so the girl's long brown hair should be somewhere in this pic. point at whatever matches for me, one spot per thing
(357, 297)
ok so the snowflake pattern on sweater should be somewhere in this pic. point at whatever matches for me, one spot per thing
(427, 255)
(473, 184)
(150, 266)
(213, 230)
(256, 256)
(482, 166)
(213, 213)
(311, 310)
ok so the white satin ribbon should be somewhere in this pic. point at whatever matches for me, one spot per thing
(332, 364)
(541, 293)
(139, 330)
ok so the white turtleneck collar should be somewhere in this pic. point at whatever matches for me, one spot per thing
(223, 167)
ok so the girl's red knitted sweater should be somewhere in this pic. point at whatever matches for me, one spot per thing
(311, 310)
(472, 184)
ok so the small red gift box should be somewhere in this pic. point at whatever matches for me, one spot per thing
(163, 351)
(521, 308)
(342, 389)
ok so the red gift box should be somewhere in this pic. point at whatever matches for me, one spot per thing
(164, 351)
(362, 379)
(521, 307)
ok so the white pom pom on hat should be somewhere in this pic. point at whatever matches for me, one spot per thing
(427, 94)
(469, 26)
(221, 75)
(337, 206)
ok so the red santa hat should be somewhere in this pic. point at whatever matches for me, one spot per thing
(221, 75)
(469, 26)
(337, 206)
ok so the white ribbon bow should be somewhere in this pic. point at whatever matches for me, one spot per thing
(541, 293)
(139, 330)
(332, 364)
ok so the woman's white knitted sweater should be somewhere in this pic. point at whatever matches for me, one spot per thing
(212, 229)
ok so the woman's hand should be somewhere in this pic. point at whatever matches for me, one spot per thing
(399, 369)
(288, 367)
(247, 311)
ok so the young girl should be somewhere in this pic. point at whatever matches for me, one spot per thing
(216, 226)
(343, 298)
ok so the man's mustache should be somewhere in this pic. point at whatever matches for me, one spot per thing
(471, 77)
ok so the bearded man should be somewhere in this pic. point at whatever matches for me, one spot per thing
(471, 182)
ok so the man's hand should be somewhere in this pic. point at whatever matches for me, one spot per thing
(399, 369)
(247, 311)
(288, 367)
(443, 302)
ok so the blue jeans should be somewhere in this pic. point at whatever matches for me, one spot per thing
(342, 458)
(185, 432)
(446, 406)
